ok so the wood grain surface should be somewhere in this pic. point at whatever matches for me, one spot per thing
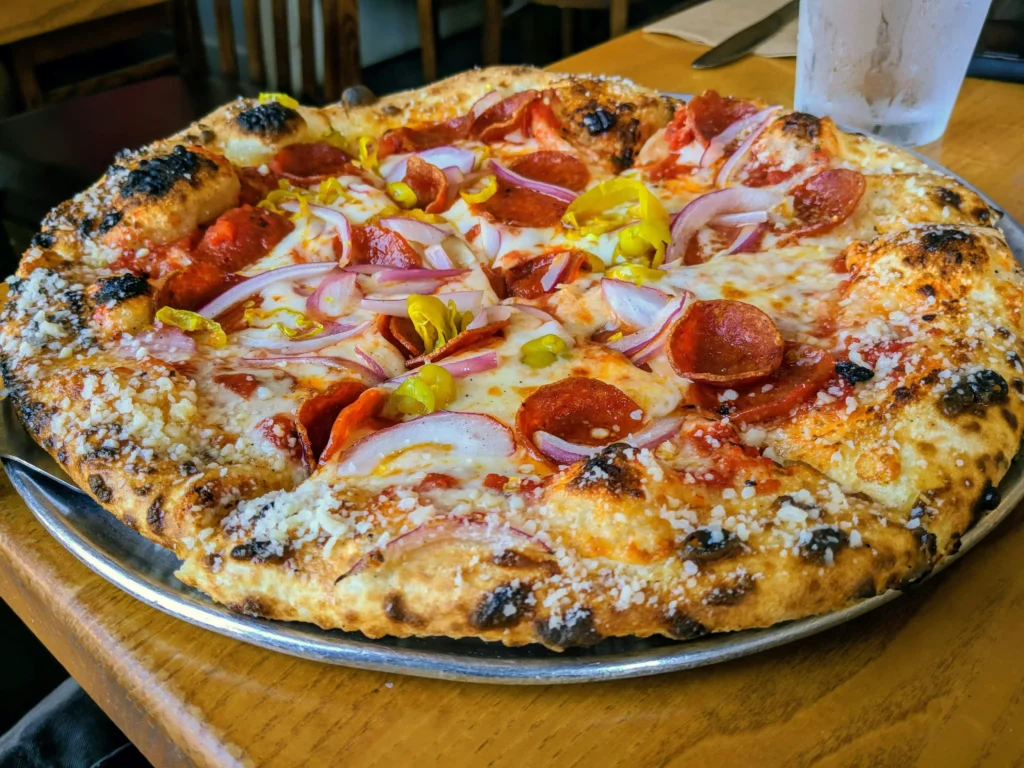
(933, 678)
(26, 18)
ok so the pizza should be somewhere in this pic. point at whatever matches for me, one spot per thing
(526, 357)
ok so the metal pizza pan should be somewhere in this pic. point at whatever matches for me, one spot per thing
(146, 571)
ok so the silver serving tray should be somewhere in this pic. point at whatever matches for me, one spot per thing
(146, 571)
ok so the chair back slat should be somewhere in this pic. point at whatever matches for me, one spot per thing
(307, 48)
(254, 42)
(282, 51)
(226, 52)
(332, 48)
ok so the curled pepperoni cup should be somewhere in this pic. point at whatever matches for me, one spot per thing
(825, 201)
(804, 371)
(553, 167)
(724, 344)
(310, 163)
(580, 410)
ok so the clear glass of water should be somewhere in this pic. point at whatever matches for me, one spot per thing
(889, 67)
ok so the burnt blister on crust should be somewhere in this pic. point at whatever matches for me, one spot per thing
(821, 542)
(732, 593)
(42, 240)
(598, 121)
(503, 607)
(706, 544)
(154, 177)
(988, 500)
(120, 288)
(973, 393)
(256, 551)
(100, 489)
(573, 631)
(853, 373)
(801, 125)
(611, 469)
(267, 120)
(682, 627)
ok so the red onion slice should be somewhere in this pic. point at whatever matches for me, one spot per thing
(413, 230)
(554, 271)
(303, 346)
(633, 304)
(740, 219)
(371, 363)
(484, 103)
(511, 177)
(630, 345)
(537, 312)
(748, 238)
(465, 301)
(440, 157)
(454, 177)
(401, 275)
(450, 530)
(699, 211)
(336, 296)
(366, 269)
(717, 146)
(422, 287)
(438, 257)
(459, 367)
(488, 315)
(256, 283)
(741, 151)
(169, 344)
(490, 239)
(464, 434)
(336, 363)
(565, 452)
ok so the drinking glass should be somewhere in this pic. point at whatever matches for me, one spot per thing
(890, 67)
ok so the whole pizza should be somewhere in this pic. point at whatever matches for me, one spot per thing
(526, 357)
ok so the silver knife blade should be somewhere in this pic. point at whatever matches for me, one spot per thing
(746, 40)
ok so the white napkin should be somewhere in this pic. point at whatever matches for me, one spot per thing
(715, 21)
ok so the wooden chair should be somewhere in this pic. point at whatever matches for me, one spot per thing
(341, 45)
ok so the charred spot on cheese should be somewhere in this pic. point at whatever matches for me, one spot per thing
(853, 373)
(100, 489)
(973, 393)
(823, 544)
(120, 288)
(612, 469)
(505, 606)
(42, 240)
(945, 239)
(707, 544)
(256, 551)
(154, 177)
(948, 197)
(573, 631)
(267, 120)
(599, 120)
(801, 125)
(682, 627)
(109, 221)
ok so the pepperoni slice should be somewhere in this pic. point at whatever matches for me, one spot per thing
(542, 123)
(401, 333)
(724, 343)
(679, 131)
(580, 410)
(520, 207)
(407, 139)
(366, 407)
(465, 341)
(375, 245)
(241, 236)
(505, 117)
(255, 185)
(281, 431)
(318, 413)
(312, 163)
(194, 286)
(525, 280)
(825, 201)
(804, 371)
(242, 384)
(429, 183)
(553, 167)
(710, 114)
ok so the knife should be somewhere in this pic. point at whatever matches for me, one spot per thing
(745, 41)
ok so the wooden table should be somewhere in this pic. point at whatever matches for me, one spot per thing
(934, 678)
